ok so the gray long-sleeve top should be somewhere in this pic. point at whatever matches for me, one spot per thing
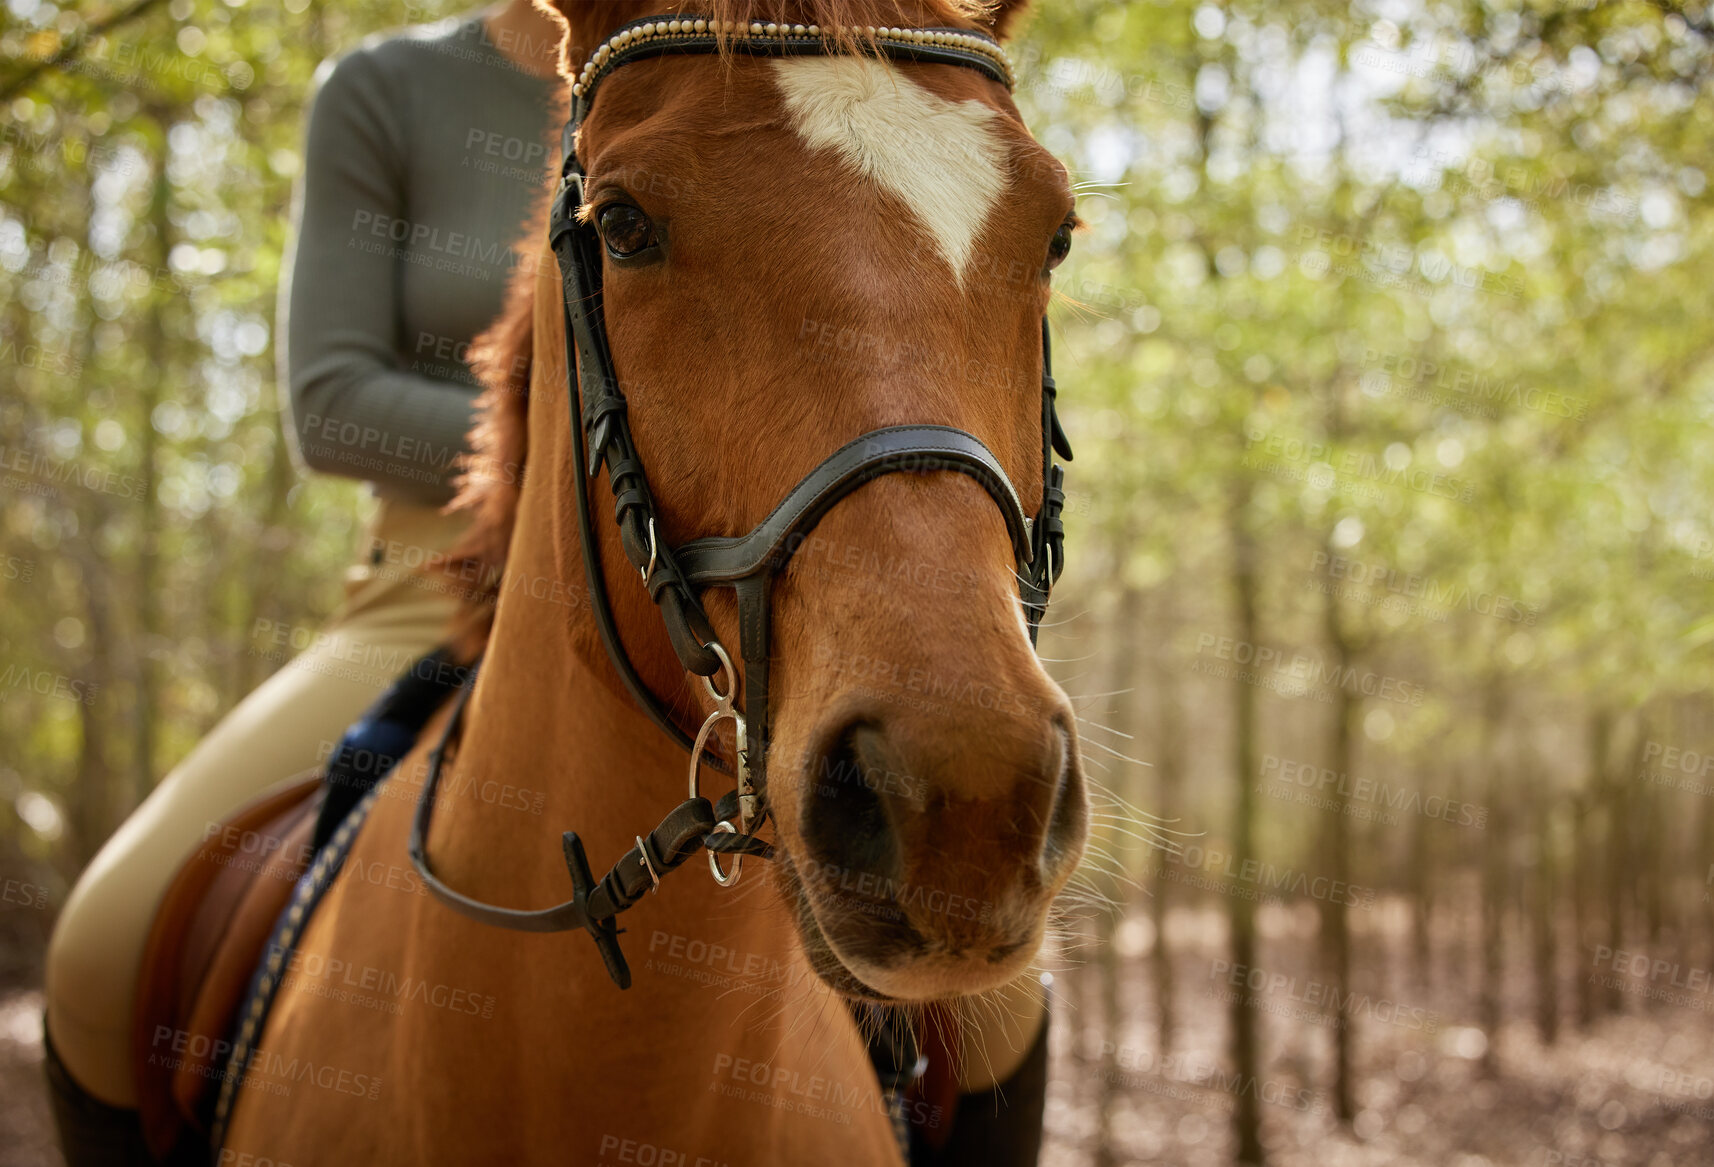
(425, 152)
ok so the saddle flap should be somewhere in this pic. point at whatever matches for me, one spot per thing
(203, 948)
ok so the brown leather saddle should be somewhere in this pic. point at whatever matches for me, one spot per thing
(203, 950)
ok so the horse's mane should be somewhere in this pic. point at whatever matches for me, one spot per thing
(502, 356)
(492, 476)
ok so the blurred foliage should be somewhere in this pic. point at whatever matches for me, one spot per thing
(149, 512)
(1432, 279)
(1405, 306)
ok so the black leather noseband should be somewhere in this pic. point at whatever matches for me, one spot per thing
(675, 577)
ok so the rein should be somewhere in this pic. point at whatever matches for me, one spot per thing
(747, 564)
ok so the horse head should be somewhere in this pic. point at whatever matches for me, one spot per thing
(797, 251)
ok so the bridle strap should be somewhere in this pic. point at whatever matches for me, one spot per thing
(593, 906)
(662, 36)
(896, 449)
(602, 422)
(1047, 539)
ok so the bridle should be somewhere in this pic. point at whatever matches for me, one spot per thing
(747, 564)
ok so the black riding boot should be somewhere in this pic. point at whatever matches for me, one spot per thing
(92, 1133)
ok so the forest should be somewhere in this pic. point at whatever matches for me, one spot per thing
(1390, 378)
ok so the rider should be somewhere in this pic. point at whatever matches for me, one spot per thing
(425, 153)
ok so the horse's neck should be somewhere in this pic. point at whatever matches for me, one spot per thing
(547, 743)
(548, 728)
(546, 746)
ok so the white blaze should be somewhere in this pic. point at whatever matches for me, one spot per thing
(942, 159)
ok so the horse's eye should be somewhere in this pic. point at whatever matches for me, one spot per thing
(1060, 245)
(625, 229)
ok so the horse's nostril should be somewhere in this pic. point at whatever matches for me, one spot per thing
(1068, 822)
(846, 823)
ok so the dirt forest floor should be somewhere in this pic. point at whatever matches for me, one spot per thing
(1635, 1088)
(26, 1131)
(1632, 1090)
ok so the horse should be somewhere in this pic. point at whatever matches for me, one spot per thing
(804, 225)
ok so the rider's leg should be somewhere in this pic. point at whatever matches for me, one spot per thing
(288, 725)
(91, 1132)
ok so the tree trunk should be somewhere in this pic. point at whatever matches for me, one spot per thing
(1544, 918)
(1705, 848)
(1121, 673)
(1335, 923)
(1618, 863)
(1246, 1056)
(1582, 907)
(1422, 902)
(146, 574)
(1112, 1026)
(99, 798)
(100, 802)
(1169, 773)
(260, 601)
(1456, 863)
(1652, 842)
(1490, 993)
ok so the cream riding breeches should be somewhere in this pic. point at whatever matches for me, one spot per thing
(391, 616)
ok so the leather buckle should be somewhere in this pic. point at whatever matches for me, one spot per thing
(643, 858)
(604, 932)
(562, 218)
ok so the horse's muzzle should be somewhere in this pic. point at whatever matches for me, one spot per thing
(931, 850)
